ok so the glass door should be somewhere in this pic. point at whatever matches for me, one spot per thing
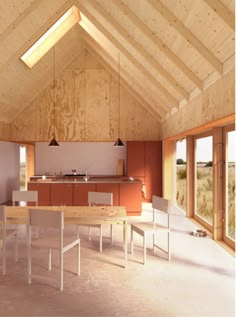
(229, 194)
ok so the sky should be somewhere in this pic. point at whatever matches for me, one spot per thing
(204, 146)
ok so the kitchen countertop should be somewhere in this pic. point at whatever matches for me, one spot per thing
(80, 180)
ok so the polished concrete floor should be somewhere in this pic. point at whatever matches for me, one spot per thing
(199, 281)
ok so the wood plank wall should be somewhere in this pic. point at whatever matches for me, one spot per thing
(217, 101)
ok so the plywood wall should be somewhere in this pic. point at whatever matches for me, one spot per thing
(217, 101)
(87, 109)
(4, 131)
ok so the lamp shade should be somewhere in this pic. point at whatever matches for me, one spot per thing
(53, 142)
(119, 142)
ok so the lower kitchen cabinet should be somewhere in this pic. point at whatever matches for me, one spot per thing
(131, 198)
(81, 193)
(43, 190)
(61, 194)
(110, 188)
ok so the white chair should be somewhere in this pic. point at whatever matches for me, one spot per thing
(5, 235)
(26, 196)
(50, 220)
(145, 229)
(100, 199)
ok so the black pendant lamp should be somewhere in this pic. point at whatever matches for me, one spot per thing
(118, 142)
(54, 142)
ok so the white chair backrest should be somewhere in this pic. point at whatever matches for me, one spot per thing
(46, 218)
(160, 204)
(25, 195)
(100, 198)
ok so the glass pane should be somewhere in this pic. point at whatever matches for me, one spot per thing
(204, 177)
(181, 174)
(230, 187)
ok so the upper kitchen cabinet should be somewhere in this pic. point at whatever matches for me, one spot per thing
(144, 161)
(136, 159)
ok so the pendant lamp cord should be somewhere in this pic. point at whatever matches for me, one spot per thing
(119, 95)
(54, 92)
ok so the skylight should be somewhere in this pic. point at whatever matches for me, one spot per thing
(51, 37)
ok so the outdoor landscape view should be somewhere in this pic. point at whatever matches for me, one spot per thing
(204, 180)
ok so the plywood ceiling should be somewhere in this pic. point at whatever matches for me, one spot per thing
(169, 50)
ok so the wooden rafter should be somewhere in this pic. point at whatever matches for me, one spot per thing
(159, 43)
(187, 35)
(126, 53)
(142, 51)
(222, 12)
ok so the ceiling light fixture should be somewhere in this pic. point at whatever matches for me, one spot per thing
(118, 142)
(54, 141)
(51, 37)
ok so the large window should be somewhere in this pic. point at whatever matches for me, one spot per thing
(204, 179)
(230, 185)
(181, 174)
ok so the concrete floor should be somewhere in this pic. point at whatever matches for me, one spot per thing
(198, 281)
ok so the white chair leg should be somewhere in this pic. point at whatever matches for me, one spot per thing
(29, 256)
(144, 248)
(169, 253)
(78, 259)
(16, 248)
(90, 233)
(153, 241)
(132, 242)
(61, 271)
(49, 259)
(111, 234)
(100, 240)
(4, 259)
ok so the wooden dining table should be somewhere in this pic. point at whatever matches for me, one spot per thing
(86, 215)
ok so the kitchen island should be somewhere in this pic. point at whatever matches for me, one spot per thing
(73, 190)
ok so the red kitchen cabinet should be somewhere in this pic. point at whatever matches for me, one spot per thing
(153, 169)
(135, 158)
(43, 190)
(61, 194)
(110, 188)
(131, 198)
(144, 161)
(81, 193)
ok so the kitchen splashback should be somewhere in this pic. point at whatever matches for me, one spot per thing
(98, 158)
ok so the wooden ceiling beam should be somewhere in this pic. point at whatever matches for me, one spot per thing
(142, 51)
(159, 43)
(126, 53)
(222, 12)
(187, 35)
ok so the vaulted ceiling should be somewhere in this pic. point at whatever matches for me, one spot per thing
(166, 51)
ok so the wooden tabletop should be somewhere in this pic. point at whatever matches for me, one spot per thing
(72, 214)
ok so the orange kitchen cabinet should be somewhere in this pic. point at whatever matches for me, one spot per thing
(43, 190)
(131, 198)
(110, 188)
(80, 197)
(61, 194)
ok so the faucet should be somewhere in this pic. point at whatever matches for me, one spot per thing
(74, 171)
